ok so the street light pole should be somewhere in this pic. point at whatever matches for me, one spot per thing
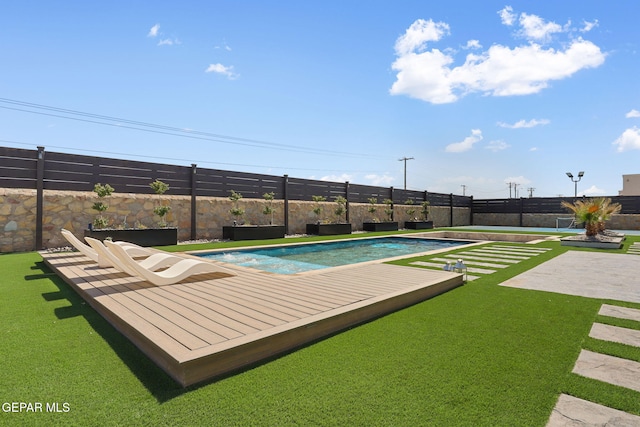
(575, 181)
(404, 159)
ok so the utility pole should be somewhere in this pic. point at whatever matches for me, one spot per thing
(464, 188)
(510, 186)
(404, 159)
(515, 190)
(530, 190)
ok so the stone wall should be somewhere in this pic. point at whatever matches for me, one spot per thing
(72, 210)
(617, 222)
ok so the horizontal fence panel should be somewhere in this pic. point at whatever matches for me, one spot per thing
(18, 168)
(439, 199)
(496, 206)
(305, 189)
(219, 183)
(362, 193)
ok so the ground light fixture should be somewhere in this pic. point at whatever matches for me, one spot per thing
(575, 181)
(458, 267)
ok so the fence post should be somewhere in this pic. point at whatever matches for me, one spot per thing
(521, 209)
(346, 196)
(286, 203)
(39, 197)
(194, 204)
(391, 197)
(450, 209)
(471, 210)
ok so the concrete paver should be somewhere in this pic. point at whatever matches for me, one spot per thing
(472, 262)
(610, 369)
(573, 412)
(620, 312)
(587, 274)
(615, 334)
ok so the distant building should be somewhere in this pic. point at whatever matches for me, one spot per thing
(630, 185)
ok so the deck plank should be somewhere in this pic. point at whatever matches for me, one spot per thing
(211, 324)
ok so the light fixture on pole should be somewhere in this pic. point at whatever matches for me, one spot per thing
(404, 159)
(575, 181)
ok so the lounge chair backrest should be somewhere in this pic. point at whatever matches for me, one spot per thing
(84, 249)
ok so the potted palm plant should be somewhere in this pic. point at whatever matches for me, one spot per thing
(593, 213)
(376, 224)
(241, 231)
(330, 228)
(418, 223)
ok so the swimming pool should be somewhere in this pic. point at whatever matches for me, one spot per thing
(293, 259)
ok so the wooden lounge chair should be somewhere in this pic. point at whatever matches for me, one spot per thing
(153, 262)
(183, 269)
(131, 248)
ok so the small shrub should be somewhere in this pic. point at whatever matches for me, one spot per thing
(101, 191)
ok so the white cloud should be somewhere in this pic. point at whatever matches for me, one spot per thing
(168, 42)
(507, 16)
(536, 28)
(380, 180)
(629, 140)
(153, 32)
(588, 26)
(429, 74)
(466, 144)
(524, 124)
(473, 44)
(418, 34)
(223, 70)
(533, 149)
(592, 191)
(632, 114)
(337, 178)
(496, 146)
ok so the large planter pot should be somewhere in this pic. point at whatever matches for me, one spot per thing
(380, 226)
(139, 236)
(418, 225)
(328, 229)
(253, 232)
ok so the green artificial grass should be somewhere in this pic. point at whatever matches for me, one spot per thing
(479, 355)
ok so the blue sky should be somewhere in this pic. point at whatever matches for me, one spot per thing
(480, 93)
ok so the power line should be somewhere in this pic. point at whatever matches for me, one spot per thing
(86, 117)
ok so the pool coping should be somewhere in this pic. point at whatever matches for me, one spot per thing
(339, 267)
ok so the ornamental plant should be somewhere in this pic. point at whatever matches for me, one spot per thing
(340, 209)
(268, 209)
(161, 209)
(593, 213)
(372, 208)
(411, 210)
(236, 210)
(102, 191)
(317, 208)
(425, 209)
(388, 210)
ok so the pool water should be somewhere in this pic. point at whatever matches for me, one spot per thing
(300, 258)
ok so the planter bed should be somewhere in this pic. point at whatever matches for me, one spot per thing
(418, 225)
(328, 229)
(380, 226)
(253, 232)
(139, 236)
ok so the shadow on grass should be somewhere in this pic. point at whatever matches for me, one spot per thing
(159, 384)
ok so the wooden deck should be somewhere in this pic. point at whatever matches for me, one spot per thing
(212, 324)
